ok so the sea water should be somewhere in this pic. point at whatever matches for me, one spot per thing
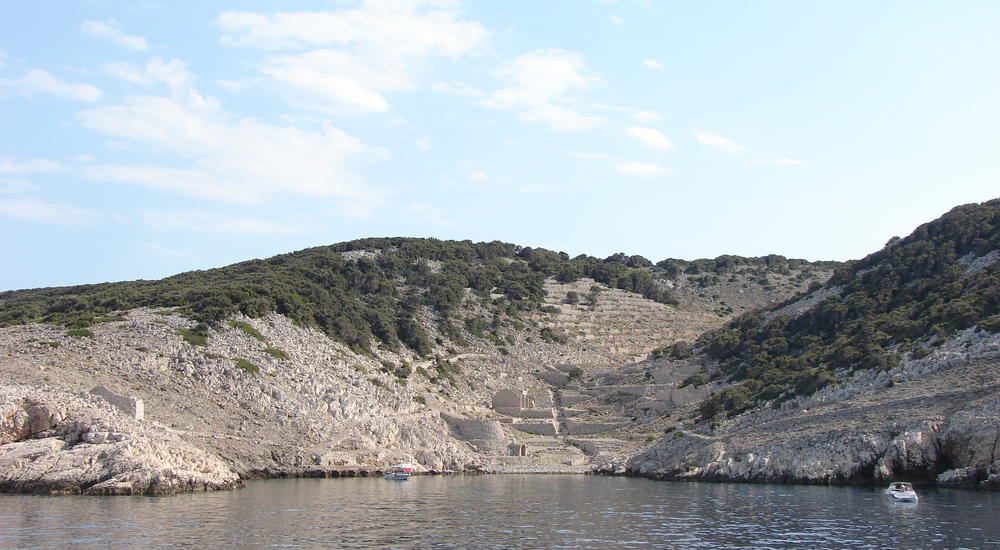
(502, 512)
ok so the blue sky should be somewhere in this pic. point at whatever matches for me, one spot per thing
(145, 139)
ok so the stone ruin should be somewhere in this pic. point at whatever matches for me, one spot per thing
(129, 405)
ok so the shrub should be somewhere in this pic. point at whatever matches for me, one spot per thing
(193, 336)
(79, 333)
(249, 367)
(276, 353)
(248, 329)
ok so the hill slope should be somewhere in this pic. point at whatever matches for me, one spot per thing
(343, 359)
(888, 370)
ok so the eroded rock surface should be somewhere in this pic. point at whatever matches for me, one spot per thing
(56, 442)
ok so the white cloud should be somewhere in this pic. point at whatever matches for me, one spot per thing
(647, 116)
(478, 176)
(41, 211)
(112, 31)
(779, 161)
(15, 185)
(327, 79)
(652, 64)
(201, 221)
(38, 81)
(361, 53)
(650, 138)
(617, 20)
(539, 83)
(9, 165)
(219, 157)
(460, 89)
(173, 74)
(641, 169)
(395, 28)
(238, 85)
(424, 144)
(713, 140)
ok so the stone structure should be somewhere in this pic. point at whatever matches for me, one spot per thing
(130, 405)
(485, 435)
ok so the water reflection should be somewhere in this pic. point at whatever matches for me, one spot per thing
(501, 512)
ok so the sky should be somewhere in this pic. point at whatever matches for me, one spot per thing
(142, 139)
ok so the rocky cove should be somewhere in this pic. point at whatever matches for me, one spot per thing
(132, 406)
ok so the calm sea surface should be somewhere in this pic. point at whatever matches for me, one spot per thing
(508, 511)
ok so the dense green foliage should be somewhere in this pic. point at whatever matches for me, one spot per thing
(914, 292)
(374, 297)
(369, 291)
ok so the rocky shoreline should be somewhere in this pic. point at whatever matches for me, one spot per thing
(134, 408)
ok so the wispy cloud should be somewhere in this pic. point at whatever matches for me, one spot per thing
(460, 89)
(111, 30)
(538, 87)
(42, 211)
(15, 185)
(778, 161)
(41, 82)
(10, 165)
(217, 156)
(172, 73)
(360, 54)
(713, 140)
(650, 138)
(202, 221)
(641, 169)
(652, 64)
(617, 20)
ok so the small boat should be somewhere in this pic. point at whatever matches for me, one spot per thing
(399, 472)
(901, 491)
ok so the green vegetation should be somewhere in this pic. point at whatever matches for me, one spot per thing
(276, 353)
(914, 290)
(677, 350)
(197, 336)
(246, 365)
(248, 329)
(79, 333)
(372, 300)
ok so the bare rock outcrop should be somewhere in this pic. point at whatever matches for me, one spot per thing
(56, 442)
(938, 422)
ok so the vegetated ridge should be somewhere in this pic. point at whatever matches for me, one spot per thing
(890, 369)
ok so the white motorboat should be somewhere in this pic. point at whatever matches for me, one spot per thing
(901, 491)
(399, 472)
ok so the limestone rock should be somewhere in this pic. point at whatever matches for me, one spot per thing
(55, 442)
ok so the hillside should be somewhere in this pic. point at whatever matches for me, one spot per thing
(888, 370)
(491, 357)
(339, 360)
